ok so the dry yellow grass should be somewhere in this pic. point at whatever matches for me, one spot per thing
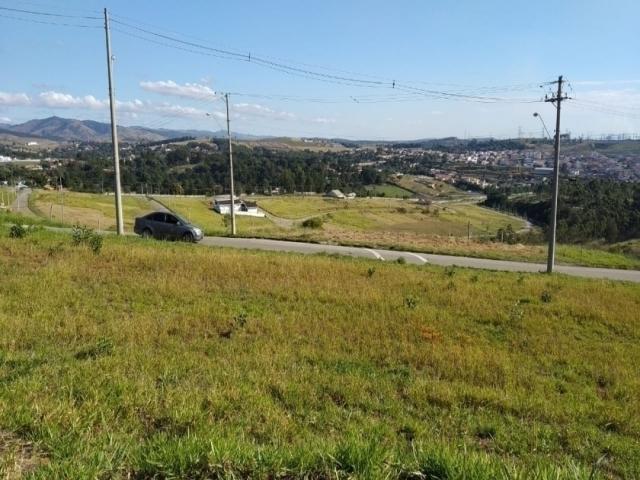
(91, 209)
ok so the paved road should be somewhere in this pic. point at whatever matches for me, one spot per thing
(416, 258)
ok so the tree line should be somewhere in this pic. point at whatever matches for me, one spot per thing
(596, 209)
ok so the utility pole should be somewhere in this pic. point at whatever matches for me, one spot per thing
(114, 130)
(557, 101)
(233, 211)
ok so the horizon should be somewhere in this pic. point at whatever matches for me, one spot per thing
(596, 137)
(389, 72)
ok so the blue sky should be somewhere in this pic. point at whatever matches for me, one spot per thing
(497, 49)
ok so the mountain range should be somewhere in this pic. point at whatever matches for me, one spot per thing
(68, 129)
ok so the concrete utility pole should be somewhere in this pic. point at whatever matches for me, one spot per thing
(114, 131)
(233, 211)
(557, 101)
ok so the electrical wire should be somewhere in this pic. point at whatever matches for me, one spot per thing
(44, 22)
(339, 79)
(48, 14)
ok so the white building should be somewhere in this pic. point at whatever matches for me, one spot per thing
(335, 194)
(240, 207)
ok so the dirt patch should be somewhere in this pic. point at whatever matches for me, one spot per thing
(18, 457)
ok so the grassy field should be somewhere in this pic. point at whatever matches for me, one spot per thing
(165, 360)
(91, 209)
(430, 187)
(396, 224)
(388, 190)
(372, 222)
(198, 211)
(7, 196)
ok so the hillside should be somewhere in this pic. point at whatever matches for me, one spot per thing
(158, 360)
(68, 129)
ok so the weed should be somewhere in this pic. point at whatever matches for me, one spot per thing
(82, 235)
(410, 302)
(17, 231)
(103, 346)
(314, 222)
(401, 260)
(545, 297)
(516, 313)
(371, 271)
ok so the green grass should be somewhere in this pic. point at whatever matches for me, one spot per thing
(430, 187)
(165, 360)
(394, 223)
(91, 209)
(7, 196)
(388, 190)
(197, 210)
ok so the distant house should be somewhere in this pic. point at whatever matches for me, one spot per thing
(335, 194)
(222, 205)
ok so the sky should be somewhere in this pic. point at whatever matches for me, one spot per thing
(352, 68)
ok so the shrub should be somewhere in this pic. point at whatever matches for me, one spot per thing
(401, 260)
(95, 243)
(82, 235)
(410, 302)
(371, 271)
(315, 222)
(545, 297)
(17, 231)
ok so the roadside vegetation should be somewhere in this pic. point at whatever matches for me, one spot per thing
(7, 196)
(370, 222)
(387, 190)
(92, 209)
(148, 359)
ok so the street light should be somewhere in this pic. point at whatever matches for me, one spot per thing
(536, 114)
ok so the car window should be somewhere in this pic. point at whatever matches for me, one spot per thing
(157, 217)
(171, 219)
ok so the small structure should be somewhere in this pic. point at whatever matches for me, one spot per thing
(222, 205)
(335, 194)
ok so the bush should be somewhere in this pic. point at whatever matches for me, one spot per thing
(82, 235)
(315, 222)
(95, 243)
(17, 231)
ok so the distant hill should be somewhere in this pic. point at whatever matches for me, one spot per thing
(68, 129)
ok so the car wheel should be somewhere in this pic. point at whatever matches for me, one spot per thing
(146, 233)
(188, 237)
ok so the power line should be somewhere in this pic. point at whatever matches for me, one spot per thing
(48, 14)
(339, 79)
(44, 22)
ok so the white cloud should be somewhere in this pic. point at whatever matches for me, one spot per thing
(171, 88)
(323, 120)
(5, 120)
(14, 99)
(53, 99)
(257, 110)
(169, 110)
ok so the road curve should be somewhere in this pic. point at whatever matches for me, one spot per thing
(417, 258)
